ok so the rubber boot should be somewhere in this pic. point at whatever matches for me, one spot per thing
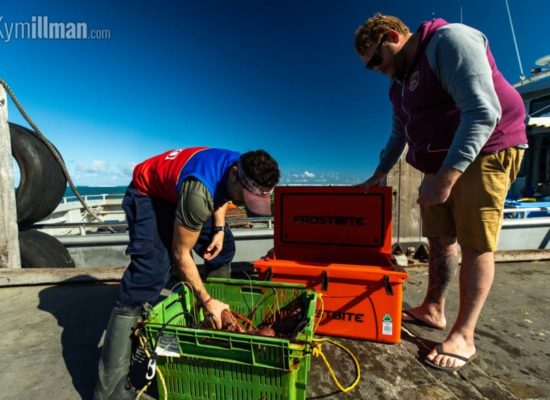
(115, 358)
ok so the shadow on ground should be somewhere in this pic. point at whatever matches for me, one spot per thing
(83, 311)
(420, 337)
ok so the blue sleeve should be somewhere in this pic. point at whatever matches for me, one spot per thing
(394, 146)
(458, 56)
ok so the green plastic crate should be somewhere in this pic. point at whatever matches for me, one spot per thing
(226, 365)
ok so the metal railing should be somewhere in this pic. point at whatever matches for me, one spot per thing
(522, 212)
(91, 197)
(84, 228)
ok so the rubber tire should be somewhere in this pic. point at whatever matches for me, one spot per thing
(42, 183)
(40, 250)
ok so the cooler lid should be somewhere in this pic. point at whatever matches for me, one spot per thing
(332, 224)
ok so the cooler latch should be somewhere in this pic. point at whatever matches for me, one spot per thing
(324, 283)
(387, 285)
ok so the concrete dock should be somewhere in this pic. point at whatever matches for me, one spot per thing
(49, 339)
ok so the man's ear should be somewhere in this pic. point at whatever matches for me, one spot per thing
(392, 36)
(233, 171)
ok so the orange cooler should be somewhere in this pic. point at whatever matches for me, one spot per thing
(360, 302)
(337, 240)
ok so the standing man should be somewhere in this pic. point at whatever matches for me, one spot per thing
(176, 203)
(464, 127)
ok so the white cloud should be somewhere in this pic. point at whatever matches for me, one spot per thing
(96, 167)
(319, 178)
(99, 166)
(303, 176)
(101, 173)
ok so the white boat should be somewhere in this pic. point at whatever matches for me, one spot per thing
(527, 214)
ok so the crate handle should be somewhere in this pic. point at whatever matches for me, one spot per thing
(387, 285)
(172, 303)
(213, 343)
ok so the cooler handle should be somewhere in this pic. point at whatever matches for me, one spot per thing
(268, 274)
(387, 285)
(324, 283)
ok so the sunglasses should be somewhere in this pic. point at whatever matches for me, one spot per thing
(376, 58)
(242, 184)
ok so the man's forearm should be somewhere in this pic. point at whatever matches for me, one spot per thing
(394, 147)
(189, 273)
(219, 215)
(448, 176)
(182, 245)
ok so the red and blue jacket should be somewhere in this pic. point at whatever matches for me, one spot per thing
(162, 176)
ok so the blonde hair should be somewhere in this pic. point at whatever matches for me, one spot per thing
(374, 28)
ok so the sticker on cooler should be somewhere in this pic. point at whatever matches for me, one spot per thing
(167, 346)
(387, 325)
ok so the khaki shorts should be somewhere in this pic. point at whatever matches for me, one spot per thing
(473, 212)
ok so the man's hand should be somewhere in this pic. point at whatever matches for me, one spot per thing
(436, 189)
(214, 247)
(374, 180)
(214, 309)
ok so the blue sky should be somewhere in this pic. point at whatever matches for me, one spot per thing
(280, 75)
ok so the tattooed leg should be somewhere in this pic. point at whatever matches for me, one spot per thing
(442, 267)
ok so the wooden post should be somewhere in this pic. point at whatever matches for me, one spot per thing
(407, 224)
(9, 242)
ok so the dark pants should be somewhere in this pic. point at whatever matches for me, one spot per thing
(151, 226)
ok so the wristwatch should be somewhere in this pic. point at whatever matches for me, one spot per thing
(219, 229)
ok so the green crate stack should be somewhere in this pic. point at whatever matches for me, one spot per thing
(233, 366)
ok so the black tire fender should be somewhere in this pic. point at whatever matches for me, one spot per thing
(40, 250)
(42, 183)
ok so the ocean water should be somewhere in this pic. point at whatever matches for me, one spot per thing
(95, 190)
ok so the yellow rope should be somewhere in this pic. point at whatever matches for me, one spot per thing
(322, 309)
(148, 354)
(318, 351)
(143, 390)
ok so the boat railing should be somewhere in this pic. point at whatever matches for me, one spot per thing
(85, 228)
(528, 216)
(92, 197)
(526, 212)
